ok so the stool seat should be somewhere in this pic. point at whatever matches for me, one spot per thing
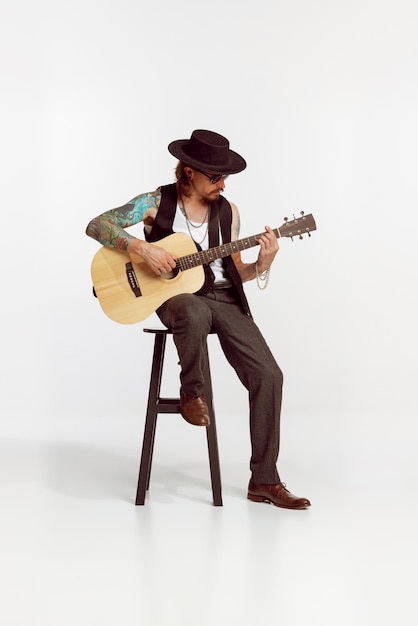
(158, 404)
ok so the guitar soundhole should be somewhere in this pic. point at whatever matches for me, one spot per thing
(170, 275)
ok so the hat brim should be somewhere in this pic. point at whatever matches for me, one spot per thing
(235, 162)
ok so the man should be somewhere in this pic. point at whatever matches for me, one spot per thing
(194, 205)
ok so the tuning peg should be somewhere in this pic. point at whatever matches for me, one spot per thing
(300, 237)
(302, 213)
(285, 219)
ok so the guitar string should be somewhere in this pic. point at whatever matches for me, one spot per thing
(207, 256)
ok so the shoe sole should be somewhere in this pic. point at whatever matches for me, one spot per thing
(194, 423)
(255, 498)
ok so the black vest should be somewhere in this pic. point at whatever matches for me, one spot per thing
(220, 215)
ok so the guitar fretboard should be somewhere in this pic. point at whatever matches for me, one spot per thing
(219, 252)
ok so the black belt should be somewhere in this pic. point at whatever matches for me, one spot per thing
(222, 286)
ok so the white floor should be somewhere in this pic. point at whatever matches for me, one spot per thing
(76, 550)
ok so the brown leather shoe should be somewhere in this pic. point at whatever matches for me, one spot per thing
(277, 495)
(194, 410)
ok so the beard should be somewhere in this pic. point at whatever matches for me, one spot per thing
(213, 195)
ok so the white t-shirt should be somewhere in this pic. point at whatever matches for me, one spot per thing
(200, 235)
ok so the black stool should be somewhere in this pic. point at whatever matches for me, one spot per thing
(157, 404)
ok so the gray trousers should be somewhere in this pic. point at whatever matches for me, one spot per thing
(191, 318)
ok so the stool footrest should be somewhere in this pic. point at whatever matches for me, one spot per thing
(167, 405)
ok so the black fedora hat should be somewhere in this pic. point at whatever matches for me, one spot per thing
(208, 150)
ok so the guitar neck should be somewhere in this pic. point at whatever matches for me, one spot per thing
(219, 252)
(297, 227)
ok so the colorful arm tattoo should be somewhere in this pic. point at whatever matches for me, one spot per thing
(108, 228)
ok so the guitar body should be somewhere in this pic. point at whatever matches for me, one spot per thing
(120, 302)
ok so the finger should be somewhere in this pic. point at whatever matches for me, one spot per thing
(168, 259)
(267, 241)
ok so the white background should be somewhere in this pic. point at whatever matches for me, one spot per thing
(321, 98)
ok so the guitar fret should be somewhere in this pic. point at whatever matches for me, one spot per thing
(219, 252)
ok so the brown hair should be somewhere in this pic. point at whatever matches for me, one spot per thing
(182, 180)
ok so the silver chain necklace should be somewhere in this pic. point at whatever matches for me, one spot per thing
(196, 226)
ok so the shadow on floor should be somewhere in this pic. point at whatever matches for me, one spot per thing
(102, 472)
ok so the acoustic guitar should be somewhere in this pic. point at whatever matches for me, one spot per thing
(128, 290)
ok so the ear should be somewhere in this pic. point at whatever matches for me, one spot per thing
(189, 172)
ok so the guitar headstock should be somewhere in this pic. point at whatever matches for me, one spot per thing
(298, 227)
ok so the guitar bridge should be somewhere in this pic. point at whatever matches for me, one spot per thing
(132, 280)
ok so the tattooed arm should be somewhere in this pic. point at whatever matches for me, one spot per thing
(268, 249)
(109, 230)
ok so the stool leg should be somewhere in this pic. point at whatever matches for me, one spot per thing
(151, 418)
(212, 439)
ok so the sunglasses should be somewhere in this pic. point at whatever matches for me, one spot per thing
(214, 178)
